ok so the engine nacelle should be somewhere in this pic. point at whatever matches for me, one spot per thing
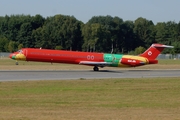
(132, 62)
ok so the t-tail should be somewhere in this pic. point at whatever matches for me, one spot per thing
(153, 51)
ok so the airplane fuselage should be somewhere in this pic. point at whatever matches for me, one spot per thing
(90, 58)
(76, 57)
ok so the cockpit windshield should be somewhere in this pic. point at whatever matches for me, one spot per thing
(19, 51)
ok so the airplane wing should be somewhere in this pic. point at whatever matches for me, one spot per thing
(100, 64)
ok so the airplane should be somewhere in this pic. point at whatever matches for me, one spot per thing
(90, 58)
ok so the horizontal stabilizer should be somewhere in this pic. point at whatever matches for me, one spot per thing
(163, 46)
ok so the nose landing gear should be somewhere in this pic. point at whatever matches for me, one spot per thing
(17, 63)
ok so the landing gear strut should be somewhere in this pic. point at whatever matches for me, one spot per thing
(17, 63)
(96, 68)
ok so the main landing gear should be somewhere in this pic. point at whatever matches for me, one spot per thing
(96, 68)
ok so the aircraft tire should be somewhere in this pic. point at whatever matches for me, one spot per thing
(96, 68)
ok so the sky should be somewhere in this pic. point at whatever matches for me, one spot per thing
(84, 10)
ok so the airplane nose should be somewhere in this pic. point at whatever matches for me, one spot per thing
(12, 56)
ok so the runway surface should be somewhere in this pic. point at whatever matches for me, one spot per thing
(84, 74)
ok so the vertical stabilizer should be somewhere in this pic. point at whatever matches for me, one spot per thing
(154, 50)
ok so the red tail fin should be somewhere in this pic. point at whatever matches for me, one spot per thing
(154, 50)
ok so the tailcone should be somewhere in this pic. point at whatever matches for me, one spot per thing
(153, 61)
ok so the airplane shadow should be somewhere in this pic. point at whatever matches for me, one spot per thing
(121, 71)
(103, 71)
(113, 71)
(138, 70)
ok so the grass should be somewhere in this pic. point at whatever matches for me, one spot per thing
(145, 98)
(169, 62)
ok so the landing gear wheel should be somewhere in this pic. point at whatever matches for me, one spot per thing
(96, 68)
(17, 63)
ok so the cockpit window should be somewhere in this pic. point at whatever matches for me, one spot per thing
(19, 51)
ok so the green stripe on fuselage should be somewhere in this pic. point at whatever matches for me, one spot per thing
(113, 58)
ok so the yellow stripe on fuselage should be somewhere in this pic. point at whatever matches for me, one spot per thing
(143, 59)
(20, 56)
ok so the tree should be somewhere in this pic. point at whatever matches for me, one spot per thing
(20, 46)
(91, 36)
(166, 33)
(144, 29)
(139, 50)
(128, 36)
(176, 47)
(25, 35)
(3, 44)
(37, 21)
(58, 47)
(110, 26)
(12, 47)
(59, 30)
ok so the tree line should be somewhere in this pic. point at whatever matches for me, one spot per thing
(99, 34)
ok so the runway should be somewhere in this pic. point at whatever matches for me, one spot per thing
(84, 74)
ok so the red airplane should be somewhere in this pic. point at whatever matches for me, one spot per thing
(90, 58)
